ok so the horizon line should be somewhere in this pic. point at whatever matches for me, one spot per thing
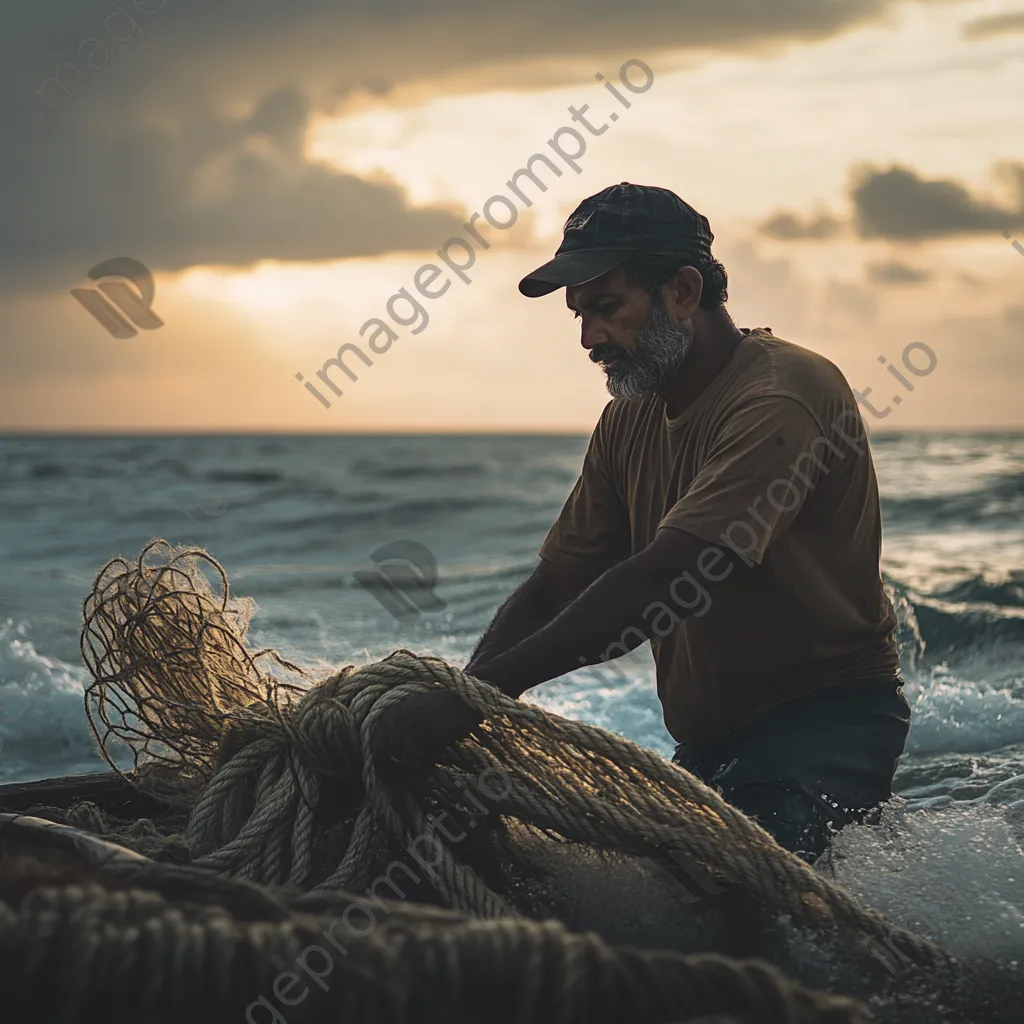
(112, 432)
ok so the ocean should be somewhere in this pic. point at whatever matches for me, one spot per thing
(299, 523)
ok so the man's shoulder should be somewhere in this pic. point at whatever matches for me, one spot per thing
(784, 364)
(764, 367)
(778, 368)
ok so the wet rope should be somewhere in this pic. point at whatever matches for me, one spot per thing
(255, 816)
(77, 954)
(580, 781)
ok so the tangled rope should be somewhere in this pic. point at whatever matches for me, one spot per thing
(157, 628)
(172, 674)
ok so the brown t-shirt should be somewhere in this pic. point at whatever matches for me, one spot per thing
(771, 461)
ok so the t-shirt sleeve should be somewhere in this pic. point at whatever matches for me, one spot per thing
(755, 479)
(591, 533)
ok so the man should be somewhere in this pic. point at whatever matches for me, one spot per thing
(728, 511)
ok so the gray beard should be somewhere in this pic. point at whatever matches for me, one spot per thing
(655, 360)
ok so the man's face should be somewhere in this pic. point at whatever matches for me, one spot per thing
(639, 343)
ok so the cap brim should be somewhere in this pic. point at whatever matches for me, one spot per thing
(570, 269)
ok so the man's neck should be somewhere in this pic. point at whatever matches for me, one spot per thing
(714, 343)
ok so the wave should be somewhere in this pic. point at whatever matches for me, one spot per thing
(955, 633)
(245, 476)
(996, 501)
(953, 715)
(47, 471)
(426, 469)
(43, 730)
(974, 616)
(1008, 593)
(952, 874)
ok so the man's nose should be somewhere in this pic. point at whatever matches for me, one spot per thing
(591, 336)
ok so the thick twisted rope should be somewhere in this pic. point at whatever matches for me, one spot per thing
(255, 817)
(78, 954)
(580, 781)
(285, 768)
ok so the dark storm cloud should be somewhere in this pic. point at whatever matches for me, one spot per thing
(900, 204)
(212, 190)
(1013, 317)
(381, 43)
(895, 273)
(994, 25)
(791, 227)
(175, 127)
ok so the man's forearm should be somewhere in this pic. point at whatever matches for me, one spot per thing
(609, 613)
(530, 607)
(515, 620)
(577, 636)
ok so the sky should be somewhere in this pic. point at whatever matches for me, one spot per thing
(287, 175)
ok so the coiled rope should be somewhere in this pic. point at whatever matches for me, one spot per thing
(173, 678)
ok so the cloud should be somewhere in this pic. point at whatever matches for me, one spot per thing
(176, 129)
(895, 273)
(845, 301)
(766, 292)
(336, 46)
(215, 190)
(987, 346)
(899, 204)
(994, 25)
(790, 227)
(1013, 317)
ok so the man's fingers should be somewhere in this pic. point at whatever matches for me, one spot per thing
(388, 741)
(417, 732)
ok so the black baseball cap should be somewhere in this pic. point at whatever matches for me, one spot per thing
(609, 227)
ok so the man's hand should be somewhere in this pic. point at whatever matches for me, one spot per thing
(414, 734)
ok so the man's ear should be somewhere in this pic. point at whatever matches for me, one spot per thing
(682, 293)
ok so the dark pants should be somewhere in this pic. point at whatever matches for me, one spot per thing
(810, 766)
